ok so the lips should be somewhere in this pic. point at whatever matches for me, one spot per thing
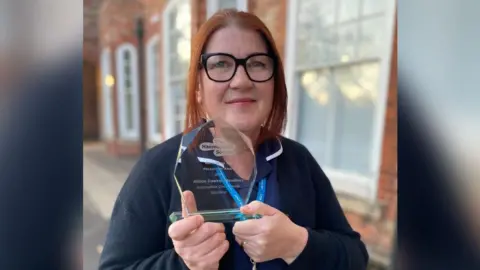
(240, 101)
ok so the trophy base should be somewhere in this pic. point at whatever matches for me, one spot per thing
(221, 216)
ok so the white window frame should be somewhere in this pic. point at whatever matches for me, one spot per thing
(124, 134)
(106, 103)
(345, 182)
(153, 135)
(168, 97)
(212, 6)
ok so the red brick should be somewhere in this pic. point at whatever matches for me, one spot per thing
(273, 14)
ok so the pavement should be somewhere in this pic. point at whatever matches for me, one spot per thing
(103, 177)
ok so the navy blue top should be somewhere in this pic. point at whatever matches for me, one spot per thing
(265, 158)
(265, 168)
(138, 234)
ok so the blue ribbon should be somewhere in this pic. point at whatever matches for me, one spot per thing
(236, 197)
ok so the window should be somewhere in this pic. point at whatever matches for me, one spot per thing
(214, 5)
(107, 97)
(127, 87)
(155, 125)
(337, 62)
(176, 49)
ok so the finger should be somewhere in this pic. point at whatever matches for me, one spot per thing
(248, 228)
(209, 244)
(183, 228)
(257, 207)
(215, 255)
(205, 231)
(242, 242)
(239, 240)
(252, 250)
(189, 204)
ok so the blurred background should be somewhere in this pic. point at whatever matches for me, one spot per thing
(341, 68)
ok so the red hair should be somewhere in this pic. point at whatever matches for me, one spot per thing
(275, 123)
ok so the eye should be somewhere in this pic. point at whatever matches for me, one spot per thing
(219, 64)
(256, 64)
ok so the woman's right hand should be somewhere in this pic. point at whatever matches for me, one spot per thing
(200, 244)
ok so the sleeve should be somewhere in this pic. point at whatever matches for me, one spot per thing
(333, 244)
(137, 235)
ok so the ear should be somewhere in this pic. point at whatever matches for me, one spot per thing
(199, 96)
(198, 93)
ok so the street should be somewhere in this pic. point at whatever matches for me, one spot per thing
(102, 180)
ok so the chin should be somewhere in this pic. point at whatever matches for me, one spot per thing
(244, 124)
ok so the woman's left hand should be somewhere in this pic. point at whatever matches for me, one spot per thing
(270, 237)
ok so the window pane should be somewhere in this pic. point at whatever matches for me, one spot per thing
(179, 39)
(347, 40)
(321, 12)
(371, 37)
(316, 46)
(173, 40)
(129, 111)
(373, 6)
(126, 55)
(177, 66)
(227, 4)
(157, 128)
(157, 118)
(316, 36)
(348, 10)
(315, 100)
(354, 114)
(336, 115)
(172, 19)
(179, 95)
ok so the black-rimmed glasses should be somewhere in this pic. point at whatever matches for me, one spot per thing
(221, 67)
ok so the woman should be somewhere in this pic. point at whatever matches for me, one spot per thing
(235, 72)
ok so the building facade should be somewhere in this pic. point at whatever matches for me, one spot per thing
(340, 66)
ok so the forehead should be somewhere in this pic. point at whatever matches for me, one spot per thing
(236, 41)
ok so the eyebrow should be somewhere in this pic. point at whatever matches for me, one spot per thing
(250, 54)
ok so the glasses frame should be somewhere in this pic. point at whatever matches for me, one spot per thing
(238, 62)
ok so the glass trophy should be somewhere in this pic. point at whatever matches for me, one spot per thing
(216, 168)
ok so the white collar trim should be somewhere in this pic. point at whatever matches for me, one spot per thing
(221, 164)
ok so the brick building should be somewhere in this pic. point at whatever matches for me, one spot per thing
(340, 65)
(91, 127)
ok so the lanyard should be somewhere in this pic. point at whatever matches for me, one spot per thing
(236, 197)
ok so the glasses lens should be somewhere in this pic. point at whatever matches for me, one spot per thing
(220, 67)
(260, 67)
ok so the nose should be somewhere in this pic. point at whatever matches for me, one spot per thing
(240, 80)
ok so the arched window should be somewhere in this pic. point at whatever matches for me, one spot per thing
(107, 97)
(155, 125)
(176, 53)
(127, 87)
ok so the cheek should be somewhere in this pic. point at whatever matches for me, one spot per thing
(266, 94)
(212, 94)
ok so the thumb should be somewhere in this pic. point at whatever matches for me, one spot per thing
(189, 204)
(258, 208)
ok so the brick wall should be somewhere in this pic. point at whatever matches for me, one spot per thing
(90, 68)
(199, 14)
(90, 29)
(117, 24)
(273, 14)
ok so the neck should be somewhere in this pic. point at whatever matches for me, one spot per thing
(253, 135)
